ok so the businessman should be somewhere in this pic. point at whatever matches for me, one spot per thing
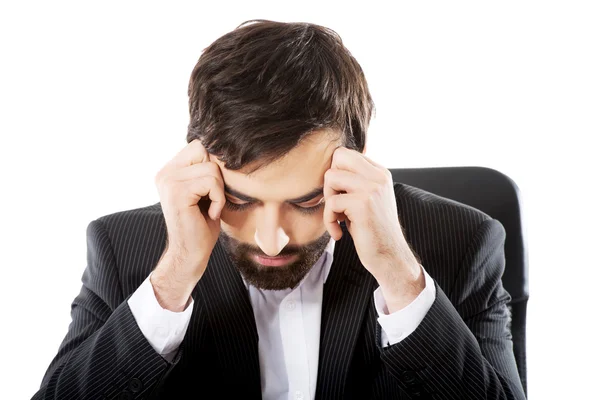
(283, 263)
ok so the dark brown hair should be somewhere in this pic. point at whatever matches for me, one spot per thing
(258, 90)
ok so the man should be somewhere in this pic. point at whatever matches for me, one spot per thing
(281, 262)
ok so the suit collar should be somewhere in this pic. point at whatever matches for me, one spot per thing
(346, 295)
(231, 319)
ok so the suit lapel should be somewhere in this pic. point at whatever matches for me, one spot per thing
(346, 294)
(231, 318)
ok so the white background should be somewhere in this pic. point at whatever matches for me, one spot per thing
(94, 101)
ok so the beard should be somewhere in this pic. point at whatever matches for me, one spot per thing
(274, 277)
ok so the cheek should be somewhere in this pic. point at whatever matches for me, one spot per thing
(239, 225)
(233, 221)
(308, 228)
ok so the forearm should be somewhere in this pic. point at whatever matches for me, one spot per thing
(164, 329)
(115, 358)
(443, 356)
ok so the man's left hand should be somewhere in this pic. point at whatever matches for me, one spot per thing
(361, 192)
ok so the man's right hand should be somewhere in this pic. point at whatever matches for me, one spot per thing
(192, 227)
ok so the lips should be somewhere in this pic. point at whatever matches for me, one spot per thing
(274, 261)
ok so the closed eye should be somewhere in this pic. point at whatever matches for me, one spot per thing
(244, 206)
(235, 206)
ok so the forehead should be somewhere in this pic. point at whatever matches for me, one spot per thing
(298, 172)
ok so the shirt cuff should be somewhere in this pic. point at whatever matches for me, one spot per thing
(398, 325)
(164, 329)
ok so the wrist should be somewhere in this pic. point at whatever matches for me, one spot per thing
(170, 294)
(173, 283)
(399, 290)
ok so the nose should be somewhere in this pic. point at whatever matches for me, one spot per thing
(270, 235)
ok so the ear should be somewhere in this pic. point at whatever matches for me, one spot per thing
(364, 149)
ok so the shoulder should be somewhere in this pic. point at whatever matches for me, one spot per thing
(421, 207)
(128, 227)
(132, 219)
(439, 230)
(137, 239)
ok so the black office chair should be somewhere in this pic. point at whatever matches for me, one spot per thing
(498, 196)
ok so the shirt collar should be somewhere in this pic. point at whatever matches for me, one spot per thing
(327, 266)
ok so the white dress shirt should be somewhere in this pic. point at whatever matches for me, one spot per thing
(288, 323)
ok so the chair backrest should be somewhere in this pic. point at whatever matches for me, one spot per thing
(498, 196)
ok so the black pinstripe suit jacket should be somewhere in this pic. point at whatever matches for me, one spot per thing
(461, 350)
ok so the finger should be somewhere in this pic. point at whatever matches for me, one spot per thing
(352, 160)
(193, 173)
(208, 186)
(334, 212)
(217, 199)
(196, 171)
(339, 180)
(193, 153)
(206, 169)
(349, 205)
(328, 190)
(373, 163)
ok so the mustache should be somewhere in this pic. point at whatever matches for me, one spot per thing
(281, 254)
(285, 252)
(292, 250)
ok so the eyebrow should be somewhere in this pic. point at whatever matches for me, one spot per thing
(308, 196)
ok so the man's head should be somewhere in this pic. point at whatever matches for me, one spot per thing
(271, 101)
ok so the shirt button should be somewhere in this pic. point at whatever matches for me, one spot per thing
(298, 395)
(290, 306)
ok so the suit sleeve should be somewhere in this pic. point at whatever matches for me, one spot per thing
(164, 329)
(463, 347)
(401, 323)
(104, 354)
